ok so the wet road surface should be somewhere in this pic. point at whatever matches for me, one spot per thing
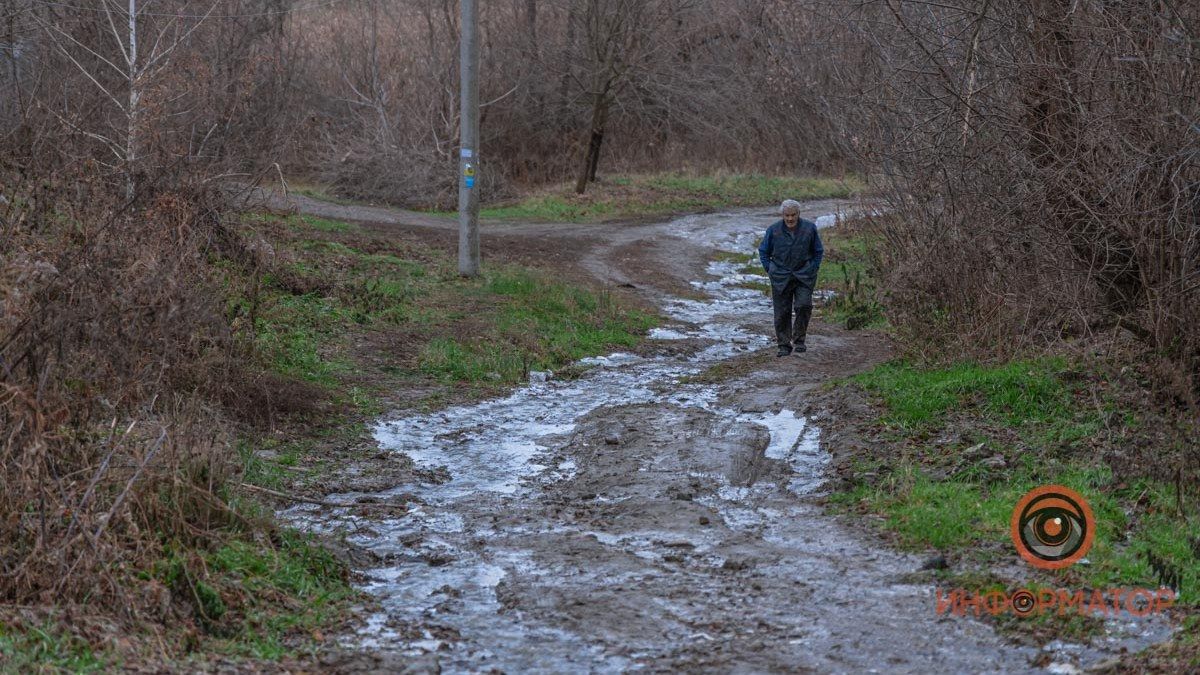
(639, 518)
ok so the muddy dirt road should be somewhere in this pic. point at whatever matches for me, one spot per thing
(647, 515)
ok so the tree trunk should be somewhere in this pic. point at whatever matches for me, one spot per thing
(568, 56)
(135, 97)
(531, 27)
(1057, 142)
(969, 87)
(595, 138)
(14, 67)
(594, 151)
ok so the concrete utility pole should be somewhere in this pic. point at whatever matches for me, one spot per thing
(468, 156)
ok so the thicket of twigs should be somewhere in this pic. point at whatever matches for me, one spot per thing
(110, 324)
(122, 378)
(568, 88)
(1041, 171)
(363, 94)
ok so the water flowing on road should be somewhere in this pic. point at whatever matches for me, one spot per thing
(633, 518)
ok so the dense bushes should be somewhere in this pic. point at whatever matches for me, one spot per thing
(115, 355)
(1041, 167)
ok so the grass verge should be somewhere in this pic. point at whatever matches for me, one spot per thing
(643, 195)
(952, 450)
(246, 598)
(535, 324)
(294, 574)
(339, 297)
(846, 271)
(47, 647)
(936, 457)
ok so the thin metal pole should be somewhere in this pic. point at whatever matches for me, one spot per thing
(468, 189)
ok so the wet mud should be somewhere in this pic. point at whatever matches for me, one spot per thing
(644, 517)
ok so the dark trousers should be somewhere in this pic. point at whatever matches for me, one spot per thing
(791, 297)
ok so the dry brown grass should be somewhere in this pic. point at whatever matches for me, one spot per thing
(119, 374)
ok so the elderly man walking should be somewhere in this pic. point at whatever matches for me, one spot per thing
(791, 254)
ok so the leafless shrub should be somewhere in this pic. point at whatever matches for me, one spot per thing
(566, 87)
(112, 333)
(1040, 160)
(179, 87)
(122, 374)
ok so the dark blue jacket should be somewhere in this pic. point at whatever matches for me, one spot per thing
(796, 254)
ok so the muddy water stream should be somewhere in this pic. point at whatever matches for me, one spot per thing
(629, 519)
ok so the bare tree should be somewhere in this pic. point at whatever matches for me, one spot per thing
(114, 65)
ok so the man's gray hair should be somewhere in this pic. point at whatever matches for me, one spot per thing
(789, 205)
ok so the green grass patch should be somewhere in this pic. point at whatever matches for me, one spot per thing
(330, 247)
(325, 224)
(1018, 393)
(377, 260)
(290, 334)
(1158, 529)
(846, 241)
(935, 497)
(735, 257)
(968, 516)
(308, 576)
(538, 324)
(269, 462)
(962, 513)
(259, 599)
(488, 330)
(635, 195)
(480, 362)
(841, 275)
(550, 208)
(48, 648)
(301, 222)
(763, 286)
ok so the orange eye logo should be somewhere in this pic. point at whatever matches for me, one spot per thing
(1053, 527)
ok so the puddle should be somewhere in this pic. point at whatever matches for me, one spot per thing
(515, 563)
